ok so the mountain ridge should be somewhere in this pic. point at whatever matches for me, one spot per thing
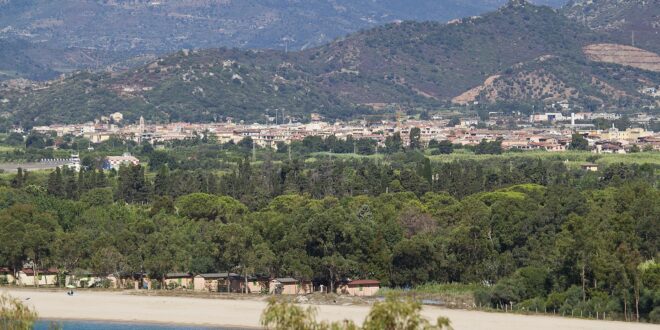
(539, 60)
(120, 30)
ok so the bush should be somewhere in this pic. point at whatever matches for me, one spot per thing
(104, 283)
(654, 316)
(14, 315)
(532, 305)
(393, 313)
(482, 297)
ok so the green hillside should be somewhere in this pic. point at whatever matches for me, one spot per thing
(536, 52)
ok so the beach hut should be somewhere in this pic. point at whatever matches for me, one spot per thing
(114, 281)
(254, 284)
(217, 282)
(288, 285)
(178, 280)
(258, 284)
(46, 277)
(7, 276)
(360, 288)
(85, 279)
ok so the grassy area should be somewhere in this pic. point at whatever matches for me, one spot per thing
(4, 148)
(449, 294)
(315, 156)
(573, 158)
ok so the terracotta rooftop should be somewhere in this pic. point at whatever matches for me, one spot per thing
(364, 282)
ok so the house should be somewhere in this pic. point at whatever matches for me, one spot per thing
(134, 281)
(255, 284)
(115, 162)
(7, 276)
(85, 280)
(178, 280)
(46, 277)
(217, 282)
(288, 285)
(361, 288)
(590, 167)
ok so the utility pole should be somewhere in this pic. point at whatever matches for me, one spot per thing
(633, 37)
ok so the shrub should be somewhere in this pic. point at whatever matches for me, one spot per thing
(14, 315)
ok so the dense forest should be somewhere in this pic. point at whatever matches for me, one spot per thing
(536, 53)
(531, 233)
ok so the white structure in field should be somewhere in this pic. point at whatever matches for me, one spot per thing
(115, 162)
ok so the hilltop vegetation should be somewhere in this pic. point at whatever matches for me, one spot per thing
(620, 19)
(520, 53)
(66, 35)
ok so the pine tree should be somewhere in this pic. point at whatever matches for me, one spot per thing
(19, 180)
(55, 185)
(162, 182)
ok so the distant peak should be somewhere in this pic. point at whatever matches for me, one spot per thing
(517, 3)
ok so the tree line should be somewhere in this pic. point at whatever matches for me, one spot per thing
(533, 234)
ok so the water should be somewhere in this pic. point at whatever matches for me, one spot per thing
(101, 325)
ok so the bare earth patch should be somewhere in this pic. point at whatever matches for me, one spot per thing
(623, 55)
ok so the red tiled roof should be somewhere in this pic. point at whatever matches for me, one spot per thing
(364, 282)
(30, 271)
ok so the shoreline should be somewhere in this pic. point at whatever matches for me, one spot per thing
(244, 314)
(154, 323)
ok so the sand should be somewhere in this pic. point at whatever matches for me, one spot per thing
(125, 307)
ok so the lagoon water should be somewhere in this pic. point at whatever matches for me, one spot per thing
(100, 325)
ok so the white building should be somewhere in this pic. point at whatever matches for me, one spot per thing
(115, 162)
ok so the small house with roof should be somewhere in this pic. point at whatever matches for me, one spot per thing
(217, 282)
(115, 162)
(46, 277)
(179, 280)
(85, 279)
(7, 276)
(288, 285)
(360, 288)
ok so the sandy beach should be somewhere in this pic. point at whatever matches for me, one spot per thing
(125, 307)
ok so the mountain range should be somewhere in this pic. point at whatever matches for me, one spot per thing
(530, 55)
(53, 37)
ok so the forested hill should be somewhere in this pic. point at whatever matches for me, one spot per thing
(520, 52)
(621, 19)
(439, 61)
(119, 30)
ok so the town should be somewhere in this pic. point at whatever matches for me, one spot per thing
(548, 131)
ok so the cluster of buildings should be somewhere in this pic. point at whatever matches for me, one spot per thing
(528, 135)
(210, 282)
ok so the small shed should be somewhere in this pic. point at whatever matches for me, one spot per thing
(84, 279)
(288, 285)
(46, 277)
(255, 284)
(216, 282)
(361, 288)
(178, 280)
(7, 276)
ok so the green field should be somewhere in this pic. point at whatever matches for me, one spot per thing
(572, 158)
(451, 294)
